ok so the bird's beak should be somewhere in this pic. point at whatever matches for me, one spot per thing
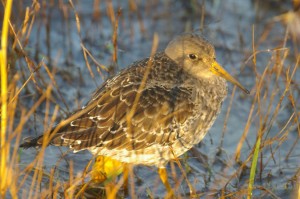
(217, 69)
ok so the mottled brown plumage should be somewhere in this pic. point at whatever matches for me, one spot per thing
(176, 107)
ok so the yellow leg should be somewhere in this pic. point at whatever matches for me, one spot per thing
(164, 178)
(98, 174)
(111, 192)
(105, 168)
(192, 190)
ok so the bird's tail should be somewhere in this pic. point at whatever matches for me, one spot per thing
(30, 142)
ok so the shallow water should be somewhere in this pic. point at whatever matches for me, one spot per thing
(228, 24)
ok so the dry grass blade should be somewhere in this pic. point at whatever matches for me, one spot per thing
(82, 45)
(5, 171)
(142, 85)
(226, 119)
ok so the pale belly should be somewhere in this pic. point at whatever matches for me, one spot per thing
(155, 155)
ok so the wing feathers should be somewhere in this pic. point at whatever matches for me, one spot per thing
(160, 113)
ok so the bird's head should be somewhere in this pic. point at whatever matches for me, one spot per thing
(197, 56)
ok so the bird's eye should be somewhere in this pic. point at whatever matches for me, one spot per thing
(193, 56)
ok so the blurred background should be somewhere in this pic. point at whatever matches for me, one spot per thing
(73, 46)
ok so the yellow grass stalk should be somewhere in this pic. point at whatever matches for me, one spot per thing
(4, 171)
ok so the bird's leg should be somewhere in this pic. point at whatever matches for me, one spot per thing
(106, 168)
(192, 190)
(98, 174)
(111, 191)
(164, 178)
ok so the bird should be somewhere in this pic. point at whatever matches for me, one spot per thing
(153, 111)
